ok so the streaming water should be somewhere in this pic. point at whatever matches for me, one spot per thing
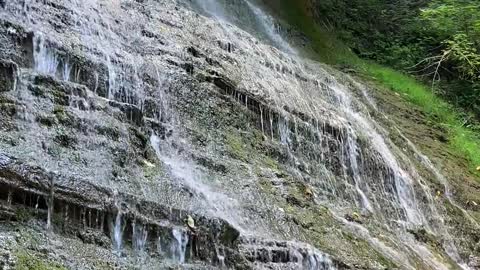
(178, 247)
(255, 20)
(118, 233)
(45, 59)
(139, 238)
(271, 28)
(329, 137)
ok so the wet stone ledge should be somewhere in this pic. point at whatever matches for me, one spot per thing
(122, 222)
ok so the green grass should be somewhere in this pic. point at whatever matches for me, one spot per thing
(326, 48)
(463, 140)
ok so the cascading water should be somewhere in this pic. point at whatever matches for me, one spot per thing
(118, 233)
(271, 29)
(212, 8)
(256, 20)
(331, 142)
(315, 261)
(139, 238)
(45, 60)
(178, 247)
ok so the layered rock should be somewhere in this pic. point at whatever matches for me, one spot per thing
(125, 117)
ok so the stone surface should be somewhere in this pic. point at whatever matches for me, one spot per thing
(128, 116)
(8, 75)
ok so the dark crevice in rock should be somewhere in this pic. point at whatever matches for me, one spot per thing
(16, 44)
(8, 75)
(132, 113)
(227, 46)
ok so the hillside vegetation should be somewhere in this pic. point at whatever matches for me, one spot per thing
(415, 48)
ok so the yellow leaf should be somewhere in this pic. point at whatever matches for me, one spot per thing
(478, 168)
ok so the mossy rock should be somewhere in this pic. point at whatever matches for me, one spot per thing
(65, 139)
(23, 214)
(64, 117)
(46, 120)
(37, 91)
(138, 138)
(8, 109)
(111, 132)
(28, 261)
(235, 146)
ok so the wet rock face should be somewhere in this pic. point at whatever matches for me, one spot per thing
(8, 75)
(123, 118)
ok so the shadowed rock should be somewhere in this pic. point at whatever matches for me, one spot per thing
(8, 75)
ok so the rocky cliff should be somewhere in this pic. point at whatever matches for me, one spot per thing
(120, 119)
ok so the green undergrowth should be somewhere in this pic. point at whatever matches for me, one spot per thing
(326, 48)
(462, 139)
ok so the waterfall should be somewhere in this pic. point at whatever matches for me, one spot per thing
(314, 131)
(271, 28)
(352, 152)
(178, 247)
(139, 238)
(316, 261)
(254, 19)
(50, 203)
(67, 70)
(45, 60)
(183, 168)
(118, 233)
(212, 8)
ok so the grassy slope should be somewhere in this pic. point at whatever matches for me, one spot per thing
(328, 50)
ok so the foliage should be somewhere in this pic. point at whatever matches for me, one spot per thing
(462, 138)
(436, 40)
(456, 24)
(463, 134)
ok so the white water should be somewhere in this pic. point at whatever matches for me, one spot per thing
(271, 28)
(45, 59)
(353, 157)
(178, 247)
(398, 184)
(266, 24)
(118, 233)
(184, 170)
(139, 238)
(317, 261)
(67, 70)
(213, 8)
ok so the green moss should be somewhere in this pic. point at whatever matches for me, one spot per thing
(65, 138)
(22, 214)
(8, 109)
(46, 120)
(236, 146)
(63, 116)
(151, 171)
(138, 138)
(111, 132)
(6, 100)
(37, 91)
(462, 140)
(323, 44)
(266, 185)
(59, 96)
(270, 162)
(28, 261)
(103, 265)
